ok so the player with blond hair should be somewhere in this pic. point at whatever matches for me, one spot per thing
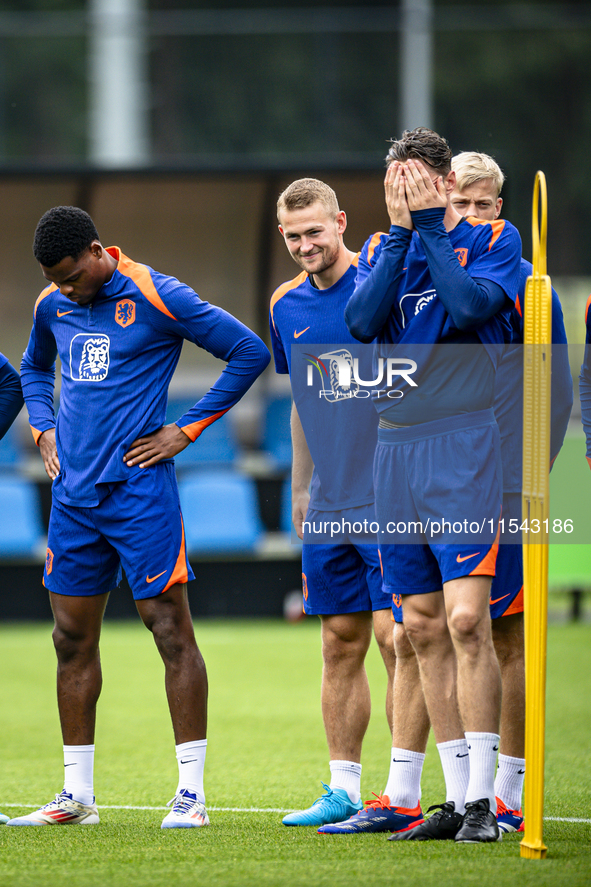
(477, 193)
(331, 480)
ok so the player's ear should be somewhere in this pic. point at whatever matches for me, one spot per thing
(341, 220)
(96, 249)
(498, 207)
(450, 182)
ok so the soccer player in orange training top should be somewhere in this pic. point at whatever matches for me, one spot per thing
(118, 327)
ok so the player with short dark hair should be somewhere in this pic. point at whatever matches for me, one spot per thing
(63, 231)
(118, 327)
(436, 281)
(421, 144)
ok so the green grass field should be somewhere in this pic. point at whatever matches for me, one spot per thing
(266, 752)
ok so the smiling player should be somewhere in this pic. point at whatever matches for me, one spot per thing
(331, 480)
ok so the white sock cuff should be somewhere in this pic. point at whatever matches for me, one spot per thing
(474, 737)
(183, 747)
(77, 749)
(511, 762)
(414, 756)
(452, 744)
(351, 766)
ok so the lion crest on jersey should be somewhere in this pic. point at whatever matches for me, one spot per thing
(89, 357)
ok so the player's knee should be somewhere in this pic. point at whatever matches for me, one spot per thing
(402, 645)
(170, 641)
(423, 623)
(508, 649)
(387, 649)
(72, 642)
(345, 639)
(468, 627)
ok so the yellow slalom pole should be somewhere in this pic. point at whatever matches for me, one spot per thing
(536, 516)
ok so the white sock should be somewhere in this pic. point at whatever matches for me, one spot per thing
(483, 748)
(509, 781)
(191, 761)
(346, 775)
(404, 779)
(455, 761)
(78, 772)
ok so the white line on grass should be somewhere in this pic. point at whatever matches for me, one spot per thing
(209, 809)
(257, 810)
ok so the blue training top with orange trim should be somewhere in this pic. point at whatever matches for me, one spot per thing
(341, 431)
(118, 355)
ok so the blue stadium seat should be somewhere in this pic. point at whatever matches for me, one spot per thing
(221, 513)
(21, 527)
(277, 434)
(216, 446)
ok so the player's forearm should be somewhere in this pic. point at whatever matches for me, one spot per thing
(371, 304)
(302, 464)
(470, 303)
(247, 360)
(11, 397)
(38, 387)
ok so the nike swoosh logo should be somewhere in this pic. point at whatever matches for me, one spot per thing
(462, 756)
(153, 578)
(466, 557)
(63, 313)
(189, 760)
(495, 747)
(73, 764)
(497, 599)
(521, 771)
(401, 760)
(297, 335)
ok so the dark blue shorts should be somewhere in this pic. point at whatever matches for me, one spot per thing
(138, 526)
(438, 501)
(342, 579)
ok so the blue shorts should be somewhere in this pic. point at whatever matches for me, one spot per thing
(397, 608)
(349, 526)
(438, 501)
(138, 526)
(506, 593)
(342, 579)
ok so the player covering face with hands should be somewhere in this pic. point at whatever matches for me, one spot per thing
(438, 280)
